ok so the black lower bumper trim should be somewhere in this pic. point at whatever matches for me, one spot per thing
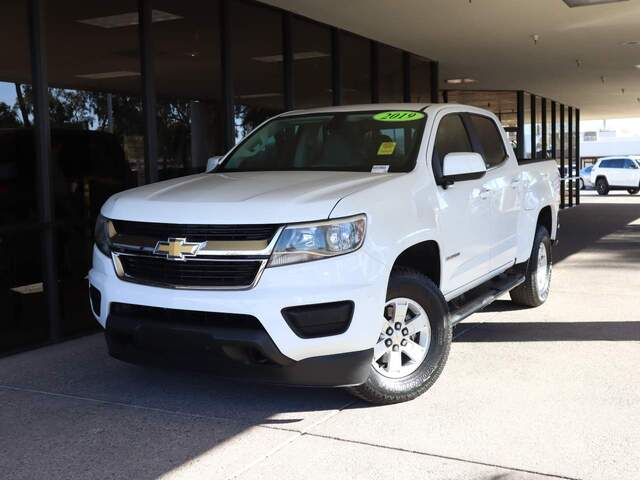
(229, 352)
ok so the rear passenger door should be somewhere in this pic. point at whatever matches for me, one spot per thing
(616, 172)
(631, 173)
(463, 211)
(503, 183)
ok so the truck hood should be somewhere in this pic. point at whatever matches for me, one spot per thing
(241, 197)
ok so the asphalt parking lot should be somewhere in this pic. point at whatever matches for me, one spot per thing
(552, 392)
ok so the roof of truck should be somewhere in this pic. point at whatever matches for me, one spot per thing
(382, 107)
(364, 107)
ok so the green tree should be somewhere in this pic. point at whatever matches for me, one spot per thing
(9, 116)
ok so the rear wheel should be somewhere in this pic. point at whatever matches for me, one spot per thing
(602, 186)
(633, 191)
(414, 341)
(581, 184)
(535, 289)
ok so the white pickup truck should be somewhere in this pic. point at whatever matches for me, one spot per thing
(331, 247)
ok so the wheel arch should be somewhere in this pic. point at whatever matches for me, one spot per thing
(423, 257)
(545, 218)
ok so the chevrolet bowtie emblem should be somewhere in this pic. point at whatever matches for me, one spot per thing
(177, 248)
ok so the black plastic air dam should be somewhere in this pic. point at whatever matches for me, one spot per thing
(319, 320)
(228, 352)
(96, 298)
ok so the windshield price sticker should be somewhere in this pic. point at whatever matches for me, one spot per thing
(398, 116)
(387, 148)
(380, 169)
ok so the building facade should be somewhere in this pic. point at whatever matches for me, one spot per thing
(97, 97)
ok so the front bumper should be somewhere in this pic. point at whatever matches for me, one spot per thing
(229, 352)
(356, 277)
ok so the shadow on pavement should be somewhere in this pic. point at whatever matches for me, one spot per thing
(581, 227)
(549, 332)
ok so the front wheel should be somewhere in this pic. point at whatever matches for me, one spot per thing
(414, 340)
(535, 289)
(633, 191)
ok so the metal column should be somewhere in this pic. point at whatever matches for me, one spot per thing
(42, 137)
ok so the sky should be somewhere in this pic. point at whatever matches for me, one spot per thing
(7, 93)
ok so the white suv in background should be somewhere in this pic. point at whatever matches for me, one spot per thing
(616, 173)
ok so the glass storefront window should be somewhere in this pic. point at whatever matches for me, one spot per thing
(527, 126)
(23, 313)
(96, 117)
(311, 64)
(420, 79)
(188, 86)
(390, 74)
(256, 42)
(538, 125)
(356, 69)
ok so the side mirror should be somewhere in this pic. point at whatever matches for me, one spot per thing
(460, 166)
(212, 163)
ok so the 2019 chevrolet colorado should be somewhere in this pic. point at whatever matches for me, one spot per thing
(331, 247)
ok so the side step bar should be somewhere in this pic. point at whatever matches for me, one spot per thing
(482, 296)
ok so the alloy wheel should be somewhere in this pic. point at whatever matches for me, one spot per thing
(404, 340)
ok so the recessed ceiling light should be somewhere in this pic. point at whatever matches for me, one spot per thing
(104, 75)
(296, 56)
(458, 81)
(587, 3)
(637, 66)
(127, 19)
(631, 43)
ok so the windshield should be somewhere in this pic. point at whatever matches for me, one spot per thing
(345, 141)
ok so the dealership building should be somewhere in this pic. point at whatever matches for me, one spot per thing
(97, 97)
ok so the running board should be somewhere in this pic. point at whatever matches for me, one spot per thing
(482, 296)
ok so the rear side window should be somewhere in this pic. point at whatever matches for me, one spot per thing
(451, 137)
(606, 164)
(490, 139)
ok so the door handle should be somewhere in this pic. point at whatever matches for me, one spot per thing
(515, 183)
(485, 193)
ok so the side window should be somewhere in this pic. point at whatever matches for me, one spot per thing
(605, 164)
(629, 164)
(451, 137)
(490, 139)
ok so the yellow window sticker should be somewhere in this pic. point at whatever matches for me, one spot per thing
(387, 148)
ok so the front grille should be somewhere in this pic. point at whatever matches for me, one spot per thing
(190, 273)
(194, 232)
(186, 317)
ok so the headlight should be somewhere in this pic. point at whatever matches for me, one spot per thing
(314, 241)
(104, 232)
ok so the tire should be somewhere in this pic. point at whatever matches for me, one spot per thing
(633, 191)
(581, 184)
(533, 293)
(602, 186)
(386, 385)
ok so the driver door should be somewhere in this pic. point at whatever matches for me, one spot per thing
(463, 212)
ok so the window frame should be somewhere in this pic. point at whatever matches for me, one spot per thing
(477, 142)
(437, 164)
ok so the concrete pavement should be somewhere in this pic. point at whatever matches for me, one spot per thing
(552, 392)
